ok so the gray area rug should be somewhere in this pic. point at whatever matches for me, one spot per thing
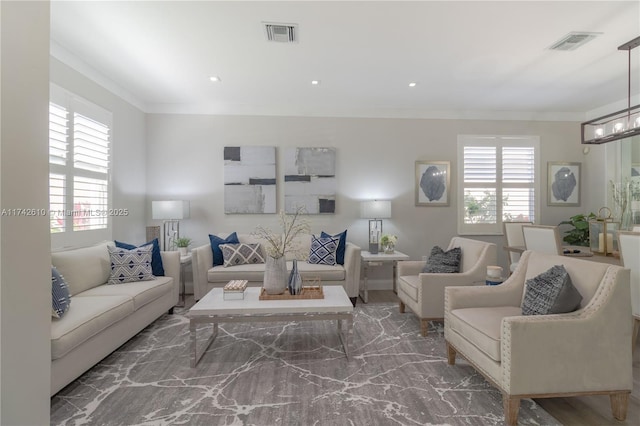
(287, 374)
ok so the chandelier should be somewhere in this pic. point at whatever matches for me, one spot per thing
(619, 125)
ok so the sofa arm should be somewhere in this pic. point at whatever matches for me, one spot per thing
(171, 265)
(352, 261)
(410, 267)
(201, 262)
(586, 350)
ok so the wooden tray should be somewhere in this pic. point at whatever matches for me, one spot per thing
(310, 292)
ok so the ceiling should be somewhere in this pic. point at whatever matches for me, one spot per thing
(470, 59)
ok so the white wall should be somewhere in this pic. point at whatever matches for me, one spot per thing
(128, 150)
(25, 273)
(375, 159)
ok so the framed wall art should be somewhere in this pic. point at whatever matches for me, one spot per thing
(563, 184)
(310, 180)
(432, 183)
(249, 179)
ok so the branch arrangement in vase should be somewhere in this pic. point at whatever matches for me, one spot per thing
(279, 244)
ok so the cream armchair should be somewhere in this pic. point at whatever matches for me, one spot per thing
(424, 293)
(585, 352)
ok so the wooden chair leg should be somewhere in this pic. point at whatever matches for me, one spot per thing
(619, 405)
(511, 408)
(401, 307)
(634, 335)
(451, 354)
(424, 327)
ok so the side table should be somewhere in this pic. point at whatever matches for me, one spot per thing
(184, 262)
(369, 260)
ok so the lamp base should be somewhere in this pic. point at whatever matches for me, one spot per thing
(373, 248)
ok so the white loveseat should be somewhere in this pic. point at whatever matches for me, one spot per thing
(206, 276)
(102, 317)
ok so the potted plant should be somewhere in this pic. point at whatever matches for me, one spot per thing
(578, 235)
(388, 243)
(182, 243)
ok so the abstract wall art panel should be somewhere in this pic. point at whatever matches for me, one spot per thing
(563, 184)
(310, 180)
(249, 179)
(432, 183)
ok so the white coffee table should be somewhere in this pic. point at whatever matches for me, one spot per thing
(212, 309)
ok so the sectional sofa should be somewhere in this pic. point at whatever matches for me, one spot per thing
(102, 317)
(207, 276)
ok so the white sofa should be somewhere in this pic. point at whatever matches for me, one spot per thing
(102, 317)
(206, 276)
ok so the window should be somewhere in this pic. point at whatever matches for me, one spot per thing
(79, 172)
(499, 182)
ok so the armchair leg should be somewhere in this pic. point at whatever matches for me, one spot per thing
(511, 408)
(401, 307)
(451, 354)
(424, 327)
(619, 405)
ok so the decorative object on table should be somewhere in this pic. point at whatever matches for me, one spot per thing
(388, 243)
(624, 194)
(578, 235)
(249, 179)
(295, 280)
(620, 124)
(432, 183)
(170, 212)
(306, 292)
(310, 180)
(183, 243)
(234, 290)
(494, 275)
(563, 184)
(375, 211)
(602, 231)
(278, 245)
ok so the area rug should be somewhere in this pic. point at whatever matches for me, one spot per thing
(287, 374)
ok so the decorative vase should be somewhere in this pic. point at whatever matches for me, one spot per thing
(275, 275)
(295, 280)
(389, 248)
(182, 251)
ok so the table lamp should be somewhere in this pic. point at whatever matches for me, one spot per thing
(170, 212)
(375, 210)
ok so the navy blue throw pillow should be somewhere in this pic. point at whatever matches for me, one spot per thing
(157, 268)
(218, 258)
(342, 245)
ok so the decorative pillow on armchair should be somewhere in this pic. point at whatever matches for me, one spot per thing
(130, 265)
(443, 262)
(551, 292)
(241, 254)
(323, 250)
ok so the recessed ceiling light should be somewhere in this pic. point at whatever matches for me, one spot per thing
(215, 79)
(315, 82)
(413, 84)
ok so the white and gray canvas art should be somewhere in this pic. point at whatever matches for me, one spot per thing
(310, 180)
(249, 179)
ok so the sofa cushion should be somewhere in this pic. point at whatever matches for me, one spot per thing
(241, 254)
(156, 259)
(342, 245)
(323, 250)
(218, 258)
(89, 316)
(324, 272)
(83, 268)
(550, 292)
(409, 284)
(255, 272)
(60, 299)
(483, 326)
(443, 262)
(141, 292)
(130, 265)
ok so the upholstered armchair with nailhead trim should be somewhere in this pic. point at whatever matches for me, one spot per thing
(584, 352)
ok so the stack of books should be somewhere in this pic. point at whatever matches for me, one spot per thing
(234, 290)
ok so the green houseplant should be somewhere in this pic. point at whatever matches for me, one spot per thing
(182, 243)
(578, 234)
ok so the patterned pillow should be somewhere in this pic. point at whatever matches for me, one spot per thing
(130, 265)
(156, 258)
(241, 254)
(443, 262)
(342, 245)
(60, 298)
(218, 258)
(551, 292)
(323, 250)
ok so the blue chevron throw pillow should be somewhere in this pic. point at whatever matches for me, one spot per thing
(323, 250)
(60, 298)
(130, 265)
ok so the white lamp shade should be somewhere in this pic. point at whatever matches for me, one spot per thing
(168, 210)
(375, 209)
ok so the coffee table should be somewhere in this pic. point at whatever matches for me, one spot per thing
(212, 309)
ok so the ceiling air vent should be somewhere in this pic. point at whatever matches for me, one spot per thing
(573, 40)
(283, 33)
